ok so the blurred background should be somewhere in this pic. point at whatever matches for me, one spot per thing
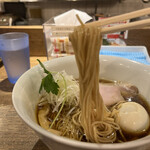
(35, 12)
(29, 15)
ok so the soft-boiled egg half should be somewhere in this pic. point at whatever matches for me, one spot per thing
(133, 118)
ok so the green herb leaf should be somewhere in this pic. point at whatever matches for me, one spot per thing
(48, 82)
(46, 71)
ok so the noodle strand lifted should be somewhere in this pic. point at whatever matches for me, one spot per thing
(95, 118)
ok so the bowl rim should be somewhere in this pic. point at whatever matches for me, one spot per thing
(74, 143)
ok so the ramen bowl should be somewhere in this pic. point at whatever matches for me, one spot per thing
(26, 91)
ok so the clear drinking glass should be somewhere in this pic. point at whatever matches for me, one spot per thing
(14, 51)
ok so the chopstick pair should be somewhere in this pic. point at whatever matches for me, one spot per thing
(128, 26)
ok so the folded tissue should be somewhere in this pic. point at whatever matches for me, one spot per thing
(69, 18)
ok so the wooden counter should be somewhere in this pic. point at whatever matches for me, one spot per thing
(136, 37)
(22, 27)
(14, 133)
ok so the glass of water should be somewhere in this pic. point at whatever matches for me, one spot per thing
(14, 51)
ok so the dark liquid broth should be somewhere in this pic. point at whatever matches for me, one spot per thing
(138, 99)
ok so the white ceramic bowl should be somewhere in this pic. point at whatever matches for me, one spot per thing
(25, 98)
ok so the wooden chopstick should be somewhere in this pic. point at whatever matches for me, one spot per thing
(82, 24)
(128, 26)
(123, 17)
